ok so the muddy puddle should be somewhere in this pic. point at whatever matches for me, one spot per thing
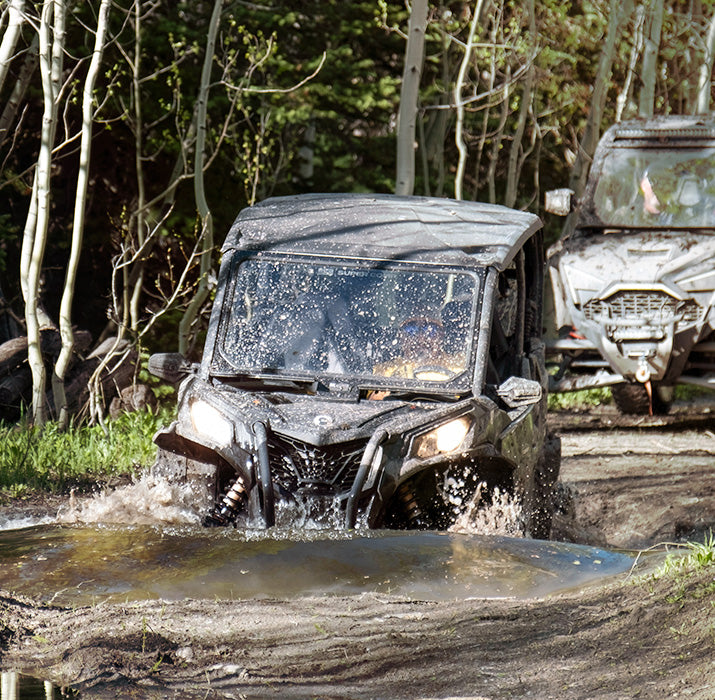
(143, 542)
(79, 565)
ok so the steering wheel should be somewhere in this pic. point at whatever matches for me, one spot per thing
(442, 373)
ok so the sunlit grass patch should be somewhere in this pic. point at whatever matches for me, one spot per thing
(579, 400)
(683, 569)
(51, 460)
(693, 556)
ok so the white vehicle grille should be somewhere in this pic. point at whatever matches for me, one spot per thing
(631, 314)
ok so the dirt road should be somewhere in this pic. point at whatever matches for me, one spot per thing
(634, 482)
(624, 484)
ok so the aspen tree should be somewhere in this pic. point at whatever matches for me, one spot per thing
(51, 32)
(705, 78)
(65, 316)
(205, 218)
(459, 103)
(653, 26)
(409, 95)
(619, 11)
(15, 19)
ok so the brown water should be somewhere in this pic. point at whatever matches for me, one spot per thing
(80, 564)
(144, 541)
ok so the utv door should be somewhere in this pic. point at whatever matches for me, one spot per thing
(516, 370)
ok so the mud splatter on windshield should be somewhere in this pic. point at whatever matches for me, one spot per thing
(305, 318)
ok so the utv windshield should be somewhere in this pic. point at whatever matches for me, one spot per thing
(393, 325)
(656, 187)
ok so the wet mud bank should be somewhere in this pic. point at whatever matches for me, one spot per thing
(617, 641)
(635, 482)
(625, 484)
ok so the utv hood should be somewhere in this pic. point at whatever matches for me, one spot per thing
(595, 264)
(318, 421)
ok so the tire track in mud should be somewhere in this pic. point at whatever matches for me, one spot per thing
(633, 482)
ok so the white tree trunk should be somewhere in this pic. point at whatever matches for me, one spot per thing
(131, 307)
(409, 94)
(10, 36)
(620, 10)
(705, 78)
(653, 26)
(58, 377)
(51, 47)
(459, 103)
(625, 95)
(19, 89)
(202, 206)
(513, 171)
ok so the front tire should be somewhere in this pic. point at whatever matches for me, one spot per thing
(632, 399)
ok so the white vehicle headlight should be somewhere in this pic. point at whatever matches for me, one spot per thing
(209, 422)
(446, 438)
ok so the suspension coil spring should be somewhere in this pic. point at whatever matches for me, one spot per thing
(412, 509)
(229, 506)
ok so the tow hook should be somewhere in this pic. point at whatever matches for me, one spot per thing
(643, 376)
(642, 373)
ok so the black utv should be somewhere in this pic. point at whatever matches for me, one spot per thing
(372, 357)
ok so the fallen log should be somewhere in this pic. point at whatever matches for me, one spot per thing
(16, 376)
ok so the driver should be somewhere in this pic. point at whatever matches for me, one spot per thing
(651, 203)
(422, 354)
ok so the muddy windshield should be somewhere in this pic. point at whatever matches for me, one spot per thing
(657, 187)
(389, 325)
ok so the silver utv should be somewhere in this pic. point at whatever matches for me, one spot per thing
(633, 279)
(303, 403)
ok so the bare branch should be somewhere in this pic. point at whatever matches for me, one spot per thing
(282, 90)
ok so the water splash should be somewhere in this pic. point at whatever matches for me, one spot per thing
(502, 514)
(149, 500)
(301, 515)
(18, 523)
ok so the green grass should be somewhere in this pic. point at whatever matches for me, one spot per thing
(48, 459)
(586, 398)
(579, 400)
(683, 568)
(692, 557)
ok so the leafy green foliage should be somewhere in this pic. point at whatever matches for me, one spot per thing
(579, 400)
(53, 460)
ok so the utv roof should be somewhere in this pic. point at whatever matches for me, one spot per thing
(384, 227)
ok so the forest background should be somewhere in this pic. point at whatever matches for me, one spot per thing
(133, 131)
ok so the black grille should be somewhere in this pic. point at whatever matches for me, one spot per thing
(298, 466)
(653, 306)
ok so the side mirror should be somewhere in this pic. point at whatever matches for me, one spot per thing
(172, 367)
(519, 391)
(559, 201)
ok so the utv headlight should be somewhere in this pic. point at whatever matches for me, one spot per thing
(209, 422)
(446, 438)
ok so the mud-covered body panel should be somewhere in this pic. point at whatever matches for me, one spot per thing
(359, 350)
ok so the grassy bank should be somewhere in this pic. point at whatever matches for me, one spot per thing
(684, 566)
(50, 460)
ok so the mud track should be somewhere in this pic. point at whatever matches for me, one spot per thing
(625, 484)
